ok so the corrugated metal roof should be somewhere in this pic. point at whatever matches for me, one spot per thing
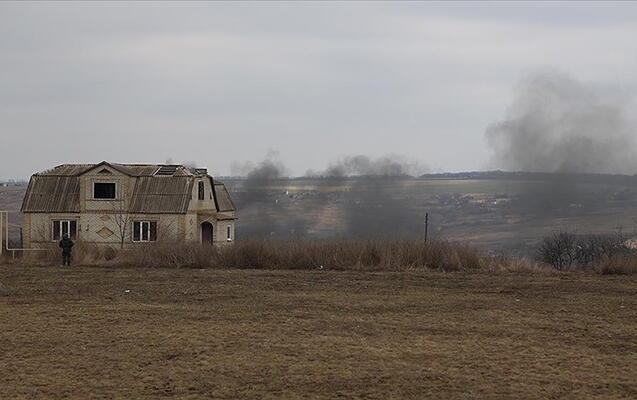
(66, 170)
(52, 194)
(161, 195)
(58, 189)
(128, 169)
(222, 197)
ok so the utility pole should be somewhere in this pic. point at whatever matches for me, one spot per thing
(426, 225)
(1, 244)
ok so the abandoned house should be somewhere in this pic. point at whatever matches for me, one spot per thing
(127, 204)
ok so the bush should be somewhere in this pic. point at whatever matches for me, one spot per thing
(565, 251)
(255, 253)
(619, 264)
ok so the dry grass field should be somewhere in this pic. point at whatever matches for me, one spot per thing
(92, 332)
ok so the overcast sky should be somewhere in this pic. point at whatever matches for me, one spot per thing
(224, 84)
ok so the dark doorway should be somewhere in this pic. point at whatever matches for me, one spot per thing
(207, 235)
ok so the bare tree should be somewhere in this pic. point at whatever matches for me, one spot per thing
(122, 220)
(565, 250)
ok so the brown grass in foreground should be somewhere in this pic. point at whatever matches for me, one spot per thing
(368, 255)
(90, 332)
(359, 255)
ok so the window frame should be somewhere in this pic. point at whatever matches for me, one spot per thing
(114, 191)
(58, 234)
(144, 231)
(229, 233)
(201, 190)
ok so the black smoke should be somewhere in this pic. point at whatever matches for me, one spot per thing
(364, 166)
(362, 190)
(558, 124)
(565, 128)
(258, 199)
(372, 206)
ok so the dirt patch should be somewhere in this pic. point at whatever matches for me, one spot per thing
(186, 333)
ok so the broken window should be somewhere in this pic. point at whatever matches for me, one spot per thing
(144, 231)
(104, 190)
(64, 227)
(201, 190)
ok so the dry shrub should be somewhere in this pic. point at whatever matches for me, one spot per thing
(49, 254)
(265, 254)
(350, 254)
(368, 255)
(154, 255)
(567, 251)
(501, 263)
(618, 264)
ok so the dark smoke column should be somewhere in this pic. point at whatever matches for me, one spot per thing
(558, 124)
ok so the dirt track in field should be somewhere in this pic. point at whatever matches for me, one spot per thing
(254, 334)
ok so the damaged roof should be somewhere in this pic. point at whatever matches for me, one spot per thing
(134, 170)
(157, 188)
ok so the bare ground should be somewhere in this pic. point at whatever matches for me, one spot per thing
(252, 334)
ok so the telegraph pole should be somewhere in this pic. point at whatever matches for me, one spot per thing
(426, 225)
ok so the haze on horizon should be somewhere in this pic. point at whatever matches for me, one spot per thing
(316, 87)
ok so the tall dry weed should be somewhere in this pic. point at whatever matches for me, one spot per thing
(364, 255)
(618, 264)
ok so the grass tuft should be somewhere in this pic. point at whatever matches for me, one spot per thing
(353, 255)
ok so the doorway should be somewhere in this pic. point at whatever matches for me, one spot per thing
(207, 233)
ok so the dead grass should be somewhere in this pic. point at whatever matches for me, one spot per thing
(353, 255)
(89, 332)
(368, 255)
(618, 264)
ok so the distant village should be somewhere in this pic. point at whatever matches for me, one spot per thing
(14, 182)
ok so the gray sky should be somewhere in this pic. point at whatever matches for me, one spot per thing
(223, 84)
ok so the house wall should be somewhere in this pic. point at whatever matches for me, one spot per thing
(208, 203)
(100, 228)
(192, 230)
(38, 227)
(26, 231)
(222, 227)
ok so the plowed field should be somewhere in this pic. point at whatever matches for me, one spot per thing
(253, 334)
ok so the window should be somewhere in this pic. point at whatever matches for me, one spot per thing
(228, 233)
(64, 227)
(104, 190)
(201, 190)
(144, 231)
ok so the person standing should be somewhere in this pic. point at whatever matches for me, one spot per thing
(66, 244)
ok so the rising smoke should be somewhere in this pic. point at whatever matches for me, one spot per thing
(360, 165)
(559, 124)
(367, 202)
(268, 169)
(371, 206)
(564, 127)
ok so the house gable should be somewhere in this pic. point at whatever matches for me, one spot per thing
(105, 187)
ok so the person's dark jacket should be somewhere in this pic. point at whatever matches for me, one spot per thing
(66, 245)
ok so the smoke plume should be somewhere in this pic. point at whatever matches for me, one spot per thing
(367, 201)
(558, 124)
(268, 169)
(360, 165)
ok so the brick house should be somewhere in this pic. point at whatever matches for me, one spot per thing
(126, 205)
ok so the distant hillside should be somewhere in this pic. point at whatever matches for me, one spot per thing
(495, 210)
(534, 176)
(499, 211)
